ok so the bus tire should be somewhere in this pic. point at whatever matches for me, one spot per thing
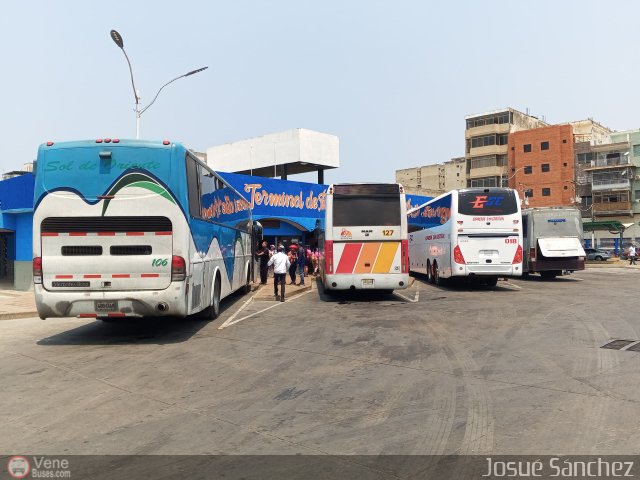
(246, 288)
(429, 272)
(550, 273)
(491, 281)
(213, 310)
(437, 279)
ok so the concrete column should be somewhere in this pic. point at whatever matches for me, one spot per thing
(284, 172)
(22, 275)
(320, 176)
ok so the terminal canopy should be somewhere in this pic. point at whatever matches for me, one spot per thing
(612, 226)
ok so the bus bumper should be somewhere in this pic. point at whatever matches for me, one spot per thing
(367, 282)
(487, 270)
(171, 301)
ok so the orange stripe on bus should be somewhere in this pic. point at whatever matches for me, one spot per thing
(50, 234)
(385, 257)
(92, 275)
(367, 257)
(64, 276)
(121, 275)
(150, 275)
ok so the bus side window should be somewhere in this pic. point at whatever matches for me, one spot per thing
(193, 187)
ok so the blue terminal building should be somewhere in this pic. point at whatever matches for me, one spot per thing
(288, 210)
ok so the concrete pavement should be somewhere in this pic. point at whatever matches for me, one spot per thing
(17, 304)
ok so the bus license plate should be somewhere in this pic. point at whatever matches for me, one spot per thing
(103, 306)
(367, 283)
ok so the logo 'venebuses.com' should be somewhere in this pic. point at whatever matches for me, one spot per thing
(18, 467)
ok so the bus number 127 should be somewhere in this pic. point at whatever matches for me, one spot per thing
(387, 233)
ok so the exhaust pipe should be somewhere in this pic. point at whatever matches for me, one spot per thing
(162, 307)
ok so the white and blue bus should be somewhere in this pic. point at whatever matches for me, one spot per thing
(129, 228)
(474, 233)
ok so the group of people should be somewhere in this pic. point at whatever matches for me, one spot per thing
(298, 260)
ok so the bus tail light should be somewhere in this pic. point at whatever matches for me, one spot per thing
(405, 255)
(532, 253)
(37, 270)
(457, 256)
(178, 269)
(328, 256)
(517, 258)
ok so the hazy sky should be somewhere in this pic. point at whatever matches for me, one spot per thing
(393, 79)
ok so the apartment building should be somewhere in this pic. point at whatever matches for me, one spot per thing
(486, 144)
(434, 180)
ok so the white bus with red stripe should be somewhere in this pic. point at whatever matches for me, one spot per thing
(135, 228)
(474, 233)
(364, 239)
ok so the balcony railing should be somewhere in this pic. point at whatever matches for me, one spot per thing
(611, 184)
(611, 208)
(611, 162)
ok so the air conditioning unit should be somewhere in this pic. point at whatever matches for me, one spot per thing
(637, 177)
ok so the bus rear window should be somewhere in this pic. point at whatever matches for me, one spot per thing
(487, 202)
(375, 211)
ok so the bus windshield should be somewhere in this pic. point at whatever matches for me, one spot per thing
(487, 202)
(366, 210)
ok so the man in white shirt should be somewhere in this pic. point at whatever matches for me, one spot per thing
(281, 264)
(632, 255)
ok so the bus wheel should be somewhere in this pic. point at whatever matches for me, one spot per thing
(436, 275)
(213, 310)
(550, 273)
(491, 281)
(247, 286)
(429, 272)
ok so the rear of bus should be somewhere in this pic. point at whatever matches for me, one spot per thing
(105, 229)
(487, 233)
(365, 237)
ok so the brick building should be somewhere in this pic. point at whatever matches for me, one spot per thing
(542, 166)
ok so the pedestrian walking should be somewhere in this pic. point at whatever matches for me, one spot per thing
(632, 255)
(293, 264)
(280, 263)
(302, 260)
(263, 256)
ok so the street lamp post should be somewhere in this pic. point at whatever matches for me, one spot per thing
(117, 39)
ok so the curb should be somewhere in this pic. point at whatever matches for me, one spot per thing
(14, 316)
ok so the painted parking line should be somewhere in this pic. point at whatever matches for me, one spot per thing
(512, 285)
(415, 299)
(229, 321)
(232, 321)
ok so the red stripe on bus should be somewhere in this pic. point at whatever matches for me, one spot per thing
(121, 275)
(116, 314)
(134, 234)
(64, 276)
(150, 275)
(92, 275)
(88, 315)
(106, 234)
(77, 234)
(50, 234)
(348, 258)
(164, 233)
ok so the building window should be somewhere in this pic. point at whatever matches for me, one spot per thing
(503, 139)
(483, 182)
(490, 161)
(585, 158)
(544, 145)
(500, 118)
(484, 141)
(545, 167)
(528, 193)
(599, 197)
(528, 170)
(527, 147)
(636, 150)
(564, 164)
(564, 140)
(546, 192)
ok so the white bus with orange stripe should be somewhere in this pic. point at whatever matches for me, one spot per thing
(474, 233)
(364, 240)
(135, 228)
